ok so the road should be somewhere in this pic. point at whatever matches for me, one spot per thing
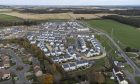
(20, 74)
(136, 69)
(122, 53)
(130, 77)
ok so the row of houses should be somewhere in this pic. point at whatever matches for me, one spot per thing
(70, 55)
(82, 44)
(94, 50)
(52, 40)
(48, 38)
(75, 65)
(66, 58)
(119, 74)
(65, 26)
(10, 32)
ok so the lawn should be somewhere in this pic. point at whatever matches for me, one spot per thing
(4, 17)
(127, 35)
(110, 81)
(137, 79)
(128, 67)
(131, 55)
(109, 47)
(135, 58)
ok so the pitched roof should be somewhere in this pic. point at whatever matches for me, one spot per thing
(72, 64)
(120, 77)
(65, 65)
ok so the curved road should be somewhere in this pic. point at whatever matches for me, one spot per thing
(20, 74)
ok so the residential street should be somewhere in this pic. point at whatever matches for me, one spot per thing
(20, 74)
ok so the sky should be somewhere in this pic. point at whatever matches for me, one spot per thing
(69, 2)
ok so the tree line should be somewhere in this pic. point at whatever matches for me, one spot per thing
(125, 20)
(129, 49)
(131, 12)
(46, 78)
(17, 23)
(43, 11)
(82, 11)
(32, 48)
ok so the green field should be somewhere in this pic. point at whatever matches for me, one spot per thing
(109, 47)
(9, 18)
(127, 35)
(137, 79)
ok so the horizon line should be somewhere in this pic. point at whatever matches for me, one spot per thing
(64, 5)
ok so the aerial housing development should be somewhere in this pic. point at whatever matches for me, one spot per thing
(67, 44)
(55, 50)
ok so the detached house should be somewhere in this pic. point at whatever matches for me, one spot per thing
(82, 63)
(29, 56)
(66, 67)
(4, 74)
(6, 64)
(70, 52)
(72, 66)
(5, 61)
(37, 70)
(36, 67)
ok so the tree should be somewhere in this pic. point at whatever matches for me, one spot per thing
(96, 77)
(54, 67)
(100, 78)
(26, 44)
(127, 49)
(125, 20)
(47, 79)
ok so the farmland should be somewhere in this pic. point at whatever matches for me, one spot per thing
(127, 35)
(9, 18)
(69, 15)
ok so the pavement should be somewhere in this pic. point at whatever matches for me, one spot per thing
(7, 82)
(122, 53)
(20, 74)
(130, 77)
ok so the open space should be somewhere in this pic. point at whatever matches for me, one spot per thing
(69, 42)
(9, 18)
(127, 35)
(34, 16)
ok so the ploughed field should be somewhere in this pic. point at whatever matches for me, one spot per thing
(46, 16)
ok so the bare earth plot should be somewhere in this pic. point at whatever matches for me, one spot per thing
(53, 16)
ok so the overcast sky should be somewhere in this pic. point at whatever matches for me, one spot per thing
(69, 2)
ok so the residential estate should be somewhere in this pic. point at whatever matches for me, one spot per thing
(70, 45)
(67, 44)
